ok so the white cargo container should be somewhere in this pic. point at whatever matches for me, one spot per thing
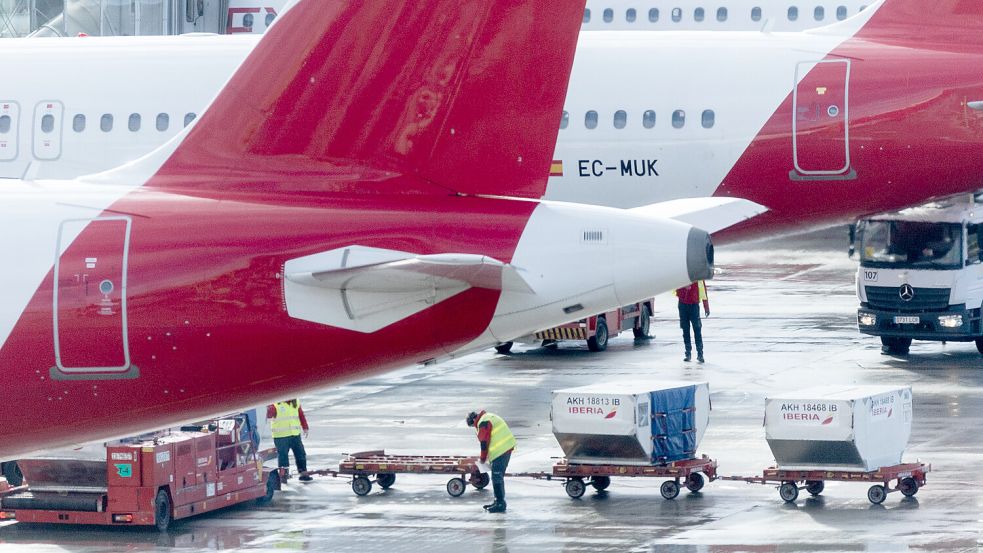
(636, 423)
(859, 428)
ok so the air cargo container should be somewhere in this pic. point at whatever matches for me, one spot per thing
(634, 423)
(859, 428)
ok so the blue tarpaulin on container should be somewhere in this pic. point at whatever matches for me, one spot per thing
(673, 424)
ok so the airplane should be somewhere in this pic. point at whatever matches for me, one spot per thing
(885, 116)
(371, 202)
(723, 15)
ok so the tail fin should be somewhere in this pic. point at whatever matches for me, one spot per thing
(427, 96)
(947, 23)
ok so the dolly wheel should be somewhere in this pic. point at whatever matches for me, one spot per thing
(575, 488)
(272, 485)
(361, 485)
(876, 494)
(480, 480)
(669, 489)
(456, 486)
(385, 480)
(908, 486)
(162, 511)
(600, 483)
(695, 482)
(815, 487)
(788, 491)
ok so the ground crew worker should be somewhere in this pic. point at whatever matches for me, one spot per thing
(288, 421)
(689, 315)
(497, 443)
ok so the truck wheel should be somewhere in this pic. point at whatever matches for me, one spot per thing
(641, 330)
(895, 346)
(575, 488)
(272, 484)
(979, 345)
(599, 342)
(162, 511)
(504, 348)
(12, 473)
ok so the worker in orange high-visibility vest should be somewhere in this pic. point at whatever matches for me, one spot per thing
(287, 421)
(689, 315)
(497, 444)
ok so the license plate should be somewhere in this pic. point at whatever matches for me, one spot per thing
(906, 320)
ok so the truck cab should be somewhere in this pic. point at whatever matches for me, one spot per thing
(921, 276)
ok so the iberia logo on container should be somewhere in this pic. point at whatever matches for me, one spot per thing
(808, 417)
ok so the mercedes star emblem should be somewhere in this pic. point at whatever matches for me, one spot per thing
(906, 292)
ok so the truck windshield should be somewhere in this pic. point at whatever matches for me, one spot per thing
(907, 244)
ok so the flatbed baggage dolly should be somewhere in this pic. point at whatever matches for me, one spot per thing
(366, 465)
(907, 478)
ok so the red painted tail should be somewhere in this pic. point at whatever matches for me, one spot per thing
(949, 24)
(428, 96)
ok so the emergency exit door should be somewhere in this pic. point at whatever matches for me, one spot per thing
(48, 130)
(90, 296)
(820, 121)
(9, 127)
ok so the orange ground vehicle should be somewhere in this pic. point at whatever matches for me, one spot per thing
(598, 329)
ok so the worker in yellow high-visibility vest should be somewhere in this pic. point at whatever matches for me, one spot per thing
(497, 444)
(288, 421)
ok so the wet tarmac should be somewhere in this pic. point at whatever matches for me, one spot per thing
(782, 318)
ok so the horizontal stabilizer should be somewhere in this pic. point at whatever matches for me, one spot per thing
(365, 289)
(709, 214)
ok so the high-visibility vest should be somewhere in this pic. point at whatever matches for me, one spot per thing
(287, 421)
(501, 439)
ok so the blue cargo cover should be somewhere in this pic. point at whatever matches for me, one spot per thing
(673, 424)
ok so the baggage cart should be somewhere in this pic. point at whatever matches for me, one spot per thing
(368, 467)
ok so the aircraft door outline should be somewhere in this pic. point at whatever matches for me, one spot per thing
(9, 130)
(89, 297)
(47, 129)
(821, 120)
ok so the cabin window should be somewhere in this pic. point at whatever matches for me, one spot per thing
(721, 14)
(4, 124)
(134, 123)
(677, 15)
(565, 120)
(793, 13)
(648, 119)
(106, 122)
(590, 120)
(678, 119)
(78, 123)
(707, 119)
(47, 123)
(654, 15)
(819, 13)
(755, 14)
(631, 15)
(620, 119)
(163, 121)
(841, 13)
(189, 117)
(698, 14)
(608, 15)
(269, 18)
(247, 20)
(587, 15)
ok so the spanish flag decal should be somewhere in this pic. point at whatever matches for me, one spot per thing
(556, 169)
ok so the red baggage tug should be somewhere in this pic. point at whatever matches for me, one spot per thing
(152, 481)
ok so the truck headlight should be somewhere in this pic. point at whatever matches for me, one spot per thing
(867, 319)
(951, 321)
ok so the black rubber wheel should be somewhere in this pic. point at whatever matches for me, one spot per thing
(600, 483)
(895, 346)
(695, 482)
(669, 489)
(361, 485)
(456, 487)
(480, 480)
(504, 348)
(908, 487)
(789, 492)
(272, 483)
(385, 480)
(12, 473)
(599, 341)
(641, 330)
(815, 487)
(575, 488)
(876, 494)
(979, 345)
(163, 515)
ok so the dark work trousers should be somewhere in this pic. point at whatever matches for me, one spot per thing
(498, 467)
(689, 314)
(283, 447)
